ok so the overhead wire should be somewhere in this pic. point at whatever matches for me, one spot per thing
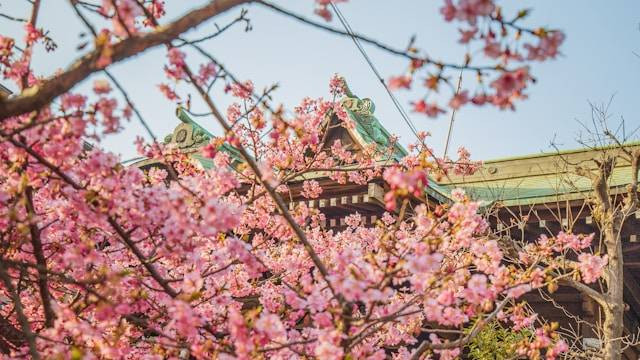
(356, 41)
(393, 98)
(453, 117)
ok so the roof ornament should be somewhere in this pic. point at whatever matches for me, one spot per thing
(361, 110)
(188, 134)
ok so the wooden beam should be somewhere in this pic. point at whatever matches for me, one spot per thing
(374, 195)
(630, 247)
(336, 222)
(631, 291)
(375, 192)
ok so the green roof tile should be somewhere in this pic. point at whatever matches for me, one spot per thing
(541, 178)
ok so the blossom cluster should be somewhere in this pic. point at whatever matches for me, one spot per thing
(203, 261)
(482, 21)
(552, 252)
(102, 260)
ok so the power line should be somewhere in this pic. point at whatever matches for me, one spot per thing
(395, 101)
(453, 117)
(356, 41)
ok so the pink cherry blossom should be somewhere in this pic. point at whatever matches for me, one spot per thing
(177, 63)
(198, 252)
(431, 110)
(206, 72)
(210, 150)
(33, 34)
(591, 266)
(6, 49)
(492, 48)
(469, 10)
(101, 87)
(168, 92)
(467, 35)
(400, 82)
(336, 85)
(123, 14)
(322, 8)
(448, 10)
(459, 99)
(272, 327)
(311, 189)
(73, 101)
(242, 90)
(547, 47)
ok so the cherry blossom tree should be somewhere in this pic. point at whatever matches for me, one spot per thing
(595, 195)
(612, 207)
(99, 260)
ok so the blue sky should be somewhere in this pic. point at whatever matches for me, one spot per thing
(598, 62)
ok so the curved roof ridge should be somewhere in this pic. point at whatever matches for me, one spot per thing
(561, 152)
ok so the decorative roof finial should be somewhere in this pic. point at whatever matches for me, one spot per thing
(367, 126)
(347, 91)
(189, 133)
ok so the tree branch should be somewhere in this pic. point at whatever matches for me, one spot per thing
(272, 192)
(38, 252)
(403, 53)
(22, 318)
(147, 265)
(632, 189)
(584, 289)
(40, 95)
(479, 325)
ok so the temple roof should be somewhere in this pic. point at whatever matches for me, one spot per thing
(368, 127)
(522, 180)
(368, 130)
(538, 178)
